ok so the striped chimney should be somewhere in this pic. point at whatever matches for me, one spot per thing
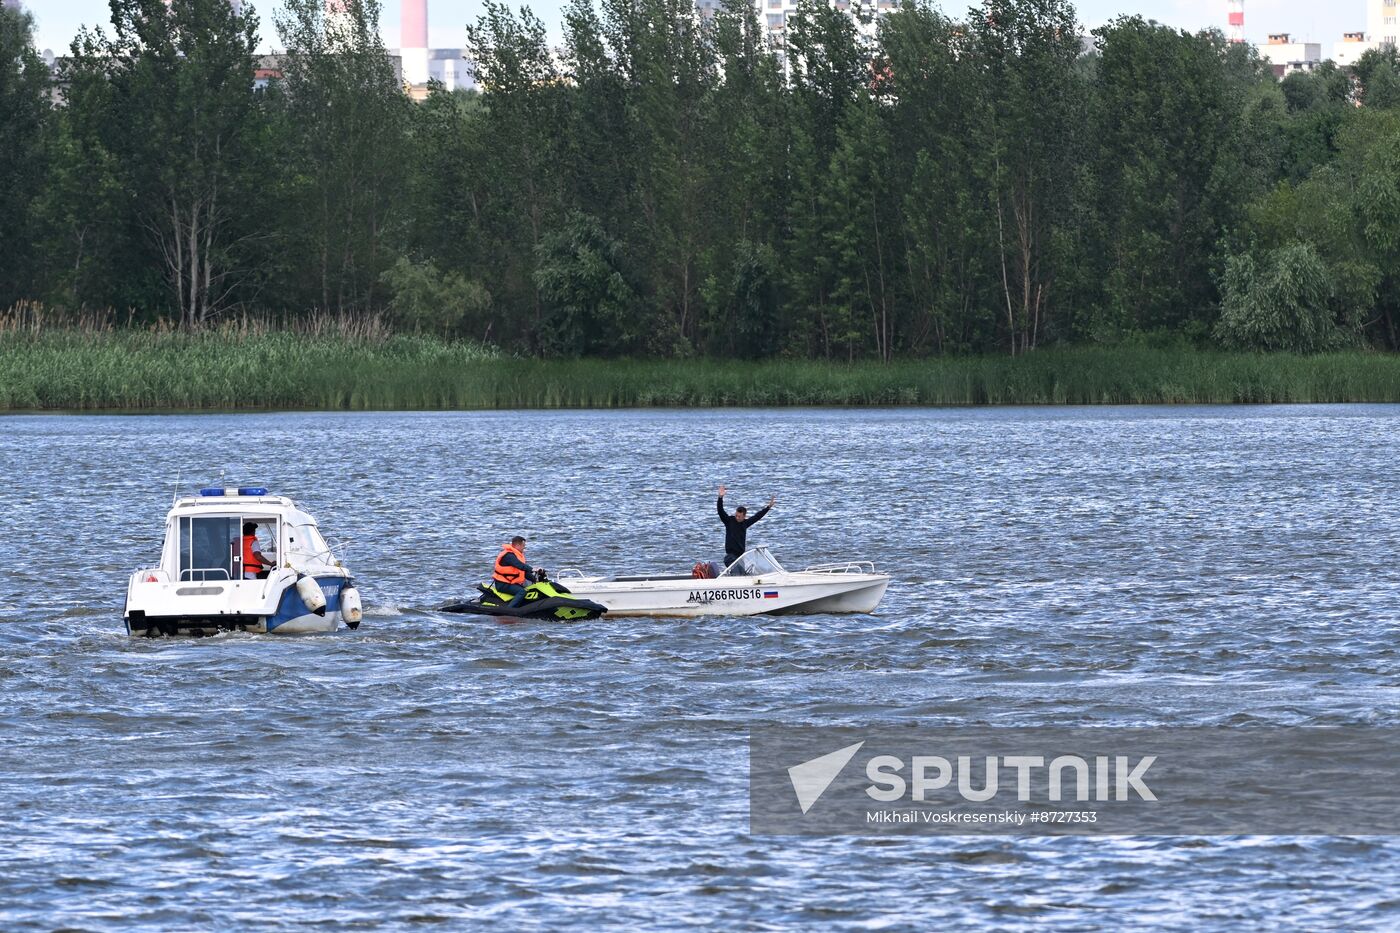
(1237, 21)
(414, 25)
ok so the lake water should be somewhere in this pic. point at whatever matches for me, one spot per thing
(1105, 566)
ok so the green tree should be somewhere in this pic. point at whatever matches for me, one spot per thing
(428, 300)
(931, 89)
(1348, 213)
(1377, 74)
(828, 72)
(175, 110)
(1317, 103)
(744, 173)
(1030, 105)
(591, 306)
(81, 224)
(1280, 301)
(446, 146)
(24, 122)
(865, 235)
(517, 177)
(344, 118)
(1167, 123)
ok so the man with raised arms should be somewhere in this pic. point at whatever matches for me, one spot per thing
(736, 527)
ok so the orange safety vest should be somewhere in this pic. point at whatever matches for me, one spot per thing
(251, 564)
(505, 573)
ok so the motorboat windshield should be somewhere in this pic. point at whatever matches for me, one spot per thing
(755, 562)
(304, 541)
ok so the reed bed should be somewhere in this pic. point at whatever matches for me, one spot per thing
(103, 364)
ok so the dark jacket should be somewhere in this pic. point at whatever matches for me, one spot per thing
(735, 531)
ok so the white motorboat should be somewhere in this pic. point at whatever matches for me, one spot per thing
(755, 583)
(202, 585)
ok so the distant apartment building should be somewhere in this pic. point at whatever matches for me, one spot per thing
(774, 16)
(1380, 22)
(1288, 57)
(1352, 46)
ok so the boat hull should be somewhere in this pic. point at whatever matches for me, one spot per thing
(138, 625)
(796, 593)
(161, 610)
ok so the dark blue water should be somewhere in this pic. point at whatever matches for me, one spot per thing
(1059, 566)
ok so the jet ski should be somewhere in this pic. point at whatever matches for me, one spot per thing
(544, 599)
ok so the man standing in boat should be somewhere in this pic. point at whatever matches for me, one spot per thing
(512, 573)
(736, 527)
(255, 565)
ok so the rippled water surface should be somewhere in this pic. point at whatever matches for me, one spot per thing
(1065, 566)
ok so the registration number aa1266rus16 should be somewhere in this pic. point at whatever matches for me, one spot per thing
(709, 596)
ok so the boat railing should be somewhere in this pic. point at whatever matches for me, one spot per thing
(569, 573)
(188, 576)
(850, 566)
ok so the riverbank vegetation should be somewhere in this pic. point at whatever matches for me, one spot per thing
(357, 364)
(673, 187)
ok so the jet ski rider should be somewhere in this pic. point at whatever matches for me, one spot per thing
(736, 527)
(512, 572)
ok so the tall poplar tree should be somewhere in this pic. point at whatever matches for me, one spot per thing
(174, 103)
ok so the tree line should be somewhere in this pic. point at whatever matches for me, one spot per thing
(665, 185)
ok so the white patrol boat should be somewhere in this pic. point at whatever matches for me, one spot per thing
(755, 583)
(238, 559)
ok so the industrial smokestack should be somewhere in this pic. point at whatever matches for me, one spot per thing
(414, 25)
(1236, 21)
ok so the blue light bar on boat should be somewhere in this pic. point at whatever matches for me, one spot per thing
(240, 491)
(252, 490)
(211, 491)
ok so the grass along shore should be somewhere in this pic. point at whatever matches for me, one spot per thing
(115, 368)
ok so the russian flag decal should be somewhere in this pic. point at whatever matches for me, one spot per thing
(770, 594)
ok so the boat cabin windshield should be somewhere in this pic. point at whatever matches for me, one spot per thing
(755, 562)
(304, 540)
(211, 547)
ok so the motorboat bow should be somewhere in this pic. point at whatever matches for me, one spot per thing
(202, 587)
(754, 584)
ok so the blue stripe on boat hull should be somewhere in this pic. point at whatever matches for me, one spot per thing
(292, 607)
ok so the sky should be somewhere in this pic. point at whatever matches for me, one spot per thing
(57, 21)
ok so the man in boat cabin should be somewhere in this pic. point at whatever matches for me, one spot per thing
(512, 573)
(255, 565)
(736, 527)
